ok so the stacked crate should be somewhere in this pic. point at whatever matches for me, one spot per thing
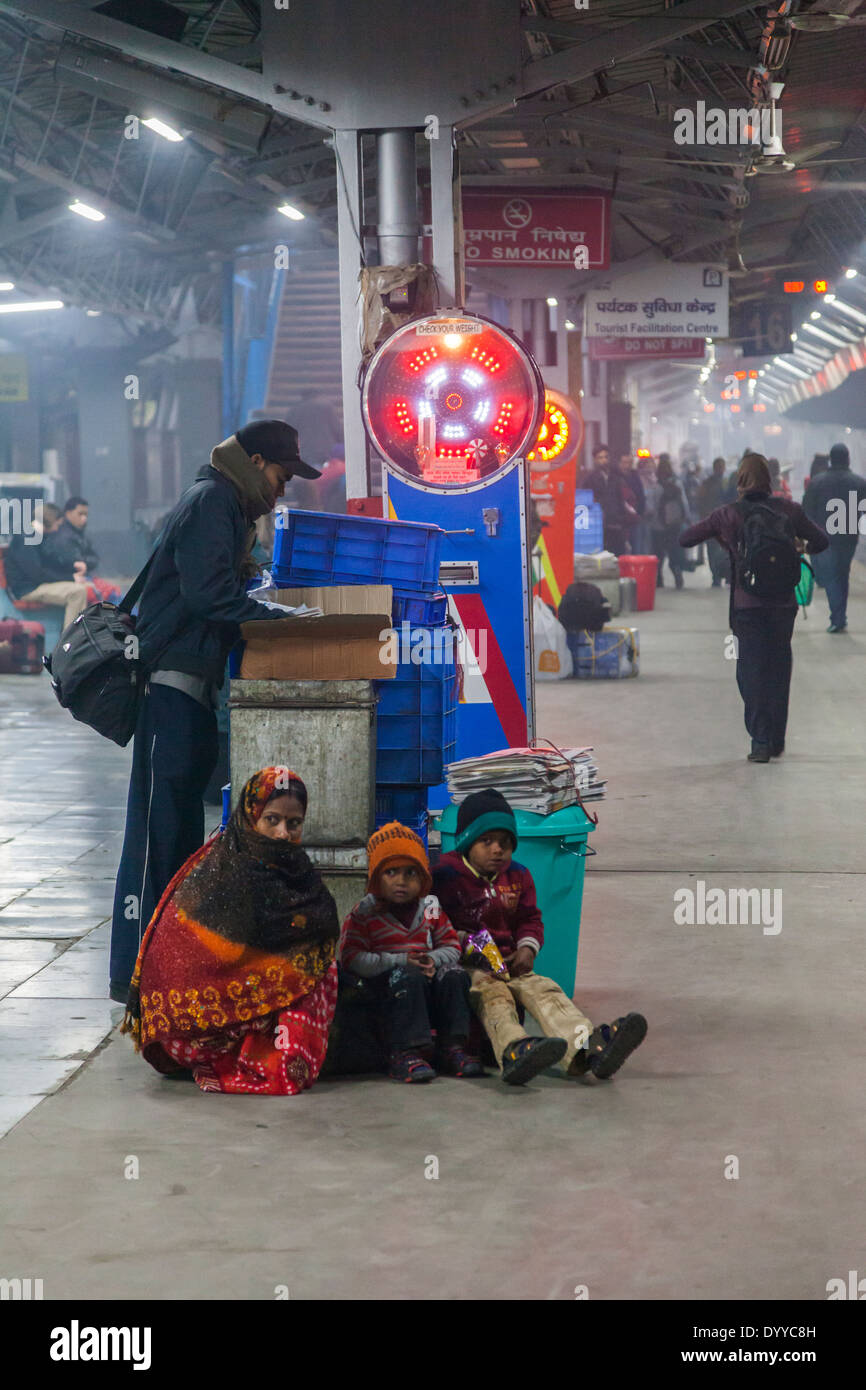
(416, 721)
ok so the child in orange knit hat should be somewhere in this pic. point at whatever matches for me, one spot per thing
(399, 938)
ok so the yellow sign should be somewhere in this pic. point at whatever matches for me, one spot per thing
(13, 377)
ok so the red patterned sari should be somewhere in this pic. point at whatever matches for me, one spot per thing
(236, 978)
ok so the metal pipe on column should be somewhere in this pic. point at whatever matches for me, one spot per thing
(230, 424)
(398, 200)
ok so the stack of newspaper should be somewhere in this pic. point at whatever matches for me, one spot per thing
(531, 779)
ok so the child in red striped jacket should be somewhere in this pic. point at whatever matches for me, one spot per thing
(399, 939)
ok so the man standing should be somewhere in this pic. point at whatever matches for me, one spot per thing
(28, 580)
(608, 489)
(828, 502)
(188, 619)
(712, 494)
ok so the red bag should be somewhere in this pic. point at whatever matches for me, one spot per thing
(22, 646)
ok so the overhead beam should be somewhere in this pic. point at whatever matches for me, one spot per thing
(163, 53)
(617, 45)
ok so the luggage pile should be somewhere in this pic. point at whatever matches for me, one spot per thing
(599, 593)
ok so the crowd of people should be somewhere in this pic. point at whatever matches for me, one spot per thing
(756, 538)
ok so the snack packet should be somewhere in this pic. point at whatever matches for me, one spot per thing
(481, 943)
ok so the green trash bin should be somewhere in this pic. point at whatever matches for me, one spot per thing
(554, 849)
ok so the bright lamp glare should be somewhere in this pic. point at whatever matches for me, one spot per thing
(293, 213)
(7, 285)
(850, 273)
(32, 306)
(84, 210)
(166, 131)
(452, 340)
(552, 301)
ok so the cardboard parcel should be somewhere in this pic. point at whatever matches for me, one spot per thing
(344, 644)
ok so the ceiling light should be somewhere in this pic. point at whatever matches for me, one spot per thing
(291, 212)
(837, 304)
(793, 337)
(93, 313)
(708, 340)
(569, 324)
(7, 285)
(814, 314)
(85, 210)
(828, 337)
(32, 305)
(829, 298)
(552, 301)
(166, 131)
(850, 273)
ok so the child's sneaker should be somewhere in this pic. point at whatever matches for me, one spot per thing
(408, 1066)
(610, 1044)
(456, 1061)
(528, 1056)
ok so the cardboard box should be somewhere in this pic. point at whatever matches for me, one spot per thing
(343, 645)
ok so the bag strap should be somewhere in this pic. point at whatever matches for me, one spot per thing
(127, 604)
(572, 769)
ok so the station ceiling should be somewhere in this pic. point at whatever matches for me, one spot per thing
(174, 211)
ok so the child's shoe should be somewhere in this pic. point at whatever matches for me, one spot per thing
(456, 1061)
(611, 1043)
(408, 1066)
(528, 1056)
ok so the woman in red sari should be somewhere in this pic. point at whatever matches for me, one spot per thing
(236, 978)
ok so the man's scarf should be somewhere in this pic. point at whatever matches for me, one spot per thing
(256, 494)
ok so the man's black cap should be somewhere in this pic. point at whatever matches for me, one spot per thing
(277, 442)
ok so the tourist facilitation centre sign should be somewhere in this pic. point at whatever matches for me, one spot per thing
(664, 301)
(535, 226)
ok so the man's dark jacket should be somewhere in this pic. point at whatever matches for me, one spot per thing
(833, 485)
(194, 598)
(62, 548)
(23, 565)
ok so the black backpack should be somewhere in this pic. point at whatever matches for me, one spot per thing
(583, 608)
(95, 669)
(766, 560)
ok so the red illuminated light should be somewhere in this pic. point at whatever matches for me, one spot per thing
(820, 287)
(794, 286)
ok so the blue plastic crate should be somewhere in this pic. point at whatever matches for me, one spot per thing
(416, 719)
(583, 496)
(227, 804)
(406, 804)
(415, 608)
(313, 548)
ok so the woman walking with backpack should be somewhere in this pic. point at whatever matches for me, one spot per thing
(671, 512)
(765, 536)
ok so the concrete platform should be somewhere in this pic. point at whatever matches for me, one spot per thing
(755, 1058)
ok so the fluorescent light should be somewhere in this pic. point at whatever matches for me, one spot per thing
(291, 212)
(829, 298)
(166, 131)
(552, 301)
(93, 313)
(837, 304)
(793, 337)
(7, 285)
(814, 314)
(819, 333)
(568, 323)
(31, 305)
(708, 340)
(850, 273)
(84, 210)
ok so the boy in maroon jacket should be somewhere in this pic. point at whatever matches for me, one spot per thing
(479, 886)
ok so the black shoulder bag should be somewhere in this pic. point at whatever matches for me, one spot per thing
(95, 669)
